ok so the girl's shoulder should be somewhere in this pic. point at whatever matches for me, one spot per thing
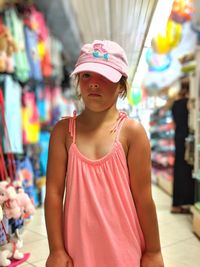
(133, 126)
(134, 130)
(62, 123)
(61, 129)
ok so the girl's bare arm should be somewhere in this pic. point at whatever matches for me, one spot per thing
(55, 186)
(139, 164)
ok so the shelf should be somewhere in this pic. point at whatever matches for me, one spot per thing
(164, 184)
(196, 175)
(196, 221)
(162, 147)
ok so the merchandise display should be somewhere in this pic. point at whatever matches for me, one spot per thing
(37, 90)
(162, 144)
(179, 39)
(174, 162)
(31, 101)
(195, 126)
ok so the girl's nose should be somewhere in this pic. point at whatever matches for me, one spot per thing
(94, 85)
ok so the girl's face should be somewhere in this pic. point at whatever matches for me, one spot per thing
(97, 92)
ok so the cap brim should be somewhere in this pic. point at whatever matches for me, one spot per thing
(108, 72)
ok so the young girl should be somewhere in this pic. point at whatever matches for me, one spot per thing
(100, 160)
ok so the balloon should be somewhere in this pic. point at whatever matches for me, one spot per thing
(188, 41)
(164, 44)
(182, 10)
(157, 62)
(155, 81)
(160, 44)
(134, 96)
(173, 33)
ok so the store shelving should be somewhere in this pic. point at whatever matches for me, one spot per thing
(195, 124)
(162, 146)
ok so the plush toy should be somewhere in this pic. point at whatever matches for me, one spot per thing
(14, 204)
(1, 213)
(7, 48)
(8, 202)
(2, 49)
(24, 202)
(11, 251)
(3, 194)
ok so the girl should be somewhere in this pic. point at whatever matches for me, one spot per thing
(109, 217)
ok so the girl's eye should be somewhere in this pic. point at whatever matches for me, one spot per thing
(86, 75)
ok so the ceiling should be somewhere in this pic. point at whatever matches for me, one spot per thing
(76, 22)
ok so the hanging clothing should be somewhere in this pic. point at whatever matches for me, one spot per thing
(13, 116)
(183, 185)
(31, 40)
(16, 27)
(101, 226)
(30, 119)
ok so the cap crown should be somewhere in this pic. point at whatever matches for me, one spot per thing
(104, 52)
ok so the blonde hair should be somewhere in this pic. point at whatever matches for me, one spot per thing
(125, 85)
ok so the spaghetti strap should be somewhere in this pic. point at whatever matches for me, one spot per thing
(72, 126)
(119, 123)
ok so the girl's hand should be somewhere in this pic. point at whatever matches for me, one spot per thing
(150, 259)
(59, 258)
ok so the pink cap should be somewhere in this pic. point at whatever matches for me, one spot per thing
(104, 57)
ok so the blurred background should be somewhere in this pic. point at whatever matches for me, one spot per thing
(40, 42)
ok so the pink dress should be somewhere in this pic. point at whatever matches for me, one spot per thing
(101, 226)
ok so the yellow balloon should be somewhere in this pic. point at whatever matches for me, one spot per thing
(164, 44)
(160, 44)
(173, 33)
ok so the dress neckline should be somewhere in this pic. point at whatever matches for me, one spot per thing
(116, 147)
(116, 144)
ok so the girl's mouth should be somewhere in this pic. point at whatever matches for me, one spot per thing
(94, 95)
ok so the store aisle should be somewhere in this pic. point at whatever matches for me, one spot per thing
(181, 248)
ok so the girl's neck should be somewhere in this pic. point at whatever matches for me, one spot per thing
(96, 118)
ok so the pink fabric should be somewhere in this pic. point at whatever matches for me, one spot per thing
(101, 223)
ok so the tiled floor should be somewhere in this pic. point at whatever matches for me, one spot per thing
(180, 247)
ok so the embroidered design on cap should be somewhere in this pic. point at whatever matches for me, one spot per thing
(100, 52)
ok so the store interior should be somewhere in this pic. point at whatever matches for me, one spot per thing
(40, 42)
